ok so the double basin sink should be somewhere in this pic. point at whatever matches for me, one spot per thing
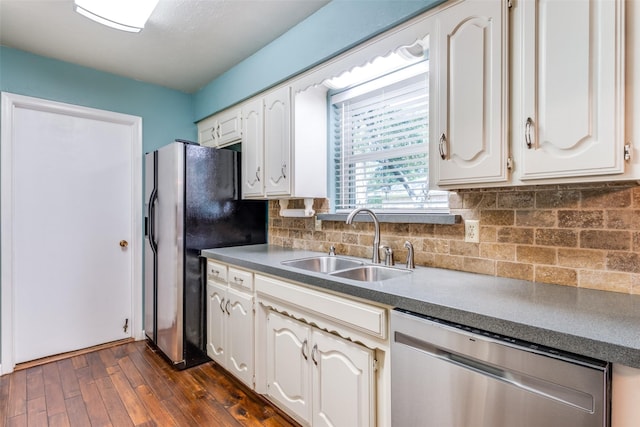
(346, 268)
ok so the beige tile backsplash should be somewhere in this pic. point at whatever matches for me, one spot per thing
(576, 235)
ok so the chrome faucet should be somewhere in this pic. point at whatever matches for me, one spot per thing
(375, 257)
(410, 262)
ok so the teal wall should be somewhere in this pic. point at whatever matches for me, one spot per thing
(333, 29)
(166, 114)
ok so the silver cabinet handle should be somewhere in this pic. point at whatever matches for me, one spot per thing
(305, 349)
(527, 132)
(314, 351)
(441, 144)
(238, 280)
(226, 307)
(222, 304)
(257, 177)
(283, 174)
(215, 272)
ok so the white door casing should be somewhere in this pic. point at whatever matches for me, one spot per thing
(17, 254)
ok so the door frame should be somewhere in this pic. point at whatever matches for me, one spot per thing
(9, 102)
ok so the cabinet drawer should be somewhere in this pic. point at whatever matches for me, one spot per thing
(216, 271)
(366, 318)
(242, 279)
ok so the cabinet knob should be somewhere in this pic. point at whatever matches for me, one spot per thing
(124, 243)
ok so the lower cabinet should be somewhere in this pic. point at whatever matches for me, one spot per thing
(320, 378)
(230, 330)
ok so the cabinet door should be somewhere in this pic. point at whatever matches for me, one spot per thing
(470, 144)
(229, 129)
(573, 104)
(216, 321)
(207, 131)
(240, 335)
(252, 150)
(288, 368)
(343, 382)
(277, 142)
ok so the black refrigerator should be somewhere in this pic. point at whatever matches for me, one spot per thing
(192, 202)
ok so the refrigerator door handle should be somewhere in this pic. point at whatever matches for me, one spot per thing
(152, 220)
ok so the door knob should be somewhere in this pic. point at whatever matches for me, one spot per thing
(124, 243)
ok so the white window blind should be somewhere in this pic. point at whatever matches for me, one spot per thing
(381, 140)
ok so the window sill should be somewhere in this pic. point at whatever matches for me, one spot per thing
(432, 218)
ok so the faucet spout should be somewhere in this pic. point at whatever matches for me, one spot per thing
(375, 257)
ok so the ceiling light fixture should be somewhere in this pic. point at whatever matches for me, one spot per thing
(125, 15)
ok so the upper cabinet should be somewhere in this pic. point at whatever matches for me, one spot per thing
(469, 85)
(284, 145)
(252, 149)
(277, 142)
(222, 129)
(571, 117)
(521, 92)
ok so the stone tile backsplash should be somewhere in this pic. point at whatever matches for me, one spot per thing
(584, 235)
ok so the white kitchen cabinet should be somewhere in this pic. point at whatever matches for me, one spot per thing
(230, 323)
(277, 142)
(322, 379)
(240, 335)
(222, 129)
(288, 368)
(284, 145)
(216, 322)
(570, 121)
(343, 382)
(252, 150)
(469, 87)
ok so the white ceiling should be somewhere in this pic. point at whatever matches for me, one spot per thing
(185, 44)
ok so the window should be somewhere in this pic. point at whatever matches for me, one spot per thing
(380, 143)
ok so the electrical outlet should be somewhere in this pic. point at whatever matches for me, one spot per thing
(472, 231)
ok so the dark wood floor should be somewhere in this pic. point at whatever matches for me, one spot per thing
(129, 385)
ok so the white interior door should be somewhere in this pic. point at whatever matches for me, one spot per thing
(74, 233)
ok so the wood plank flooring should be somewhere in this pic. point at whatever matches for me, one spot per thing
(130, 385)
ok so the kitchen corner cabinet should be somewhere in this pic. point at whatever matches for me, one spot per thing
(284, 145)
(469, 140)
(322, 379)
(571, 117)
(222, 129)
(230, 320)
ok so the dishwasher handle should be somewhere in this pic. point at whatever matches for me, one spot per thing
(566, 395)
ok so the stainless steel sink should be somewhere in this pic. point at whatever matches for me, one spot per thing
(371, 273)
(323, 264)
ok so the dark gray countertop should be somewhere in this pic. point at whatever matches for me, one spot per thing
(598, 324)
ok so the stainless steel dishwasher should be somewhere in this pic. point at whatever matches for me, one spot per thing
(448, 375)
